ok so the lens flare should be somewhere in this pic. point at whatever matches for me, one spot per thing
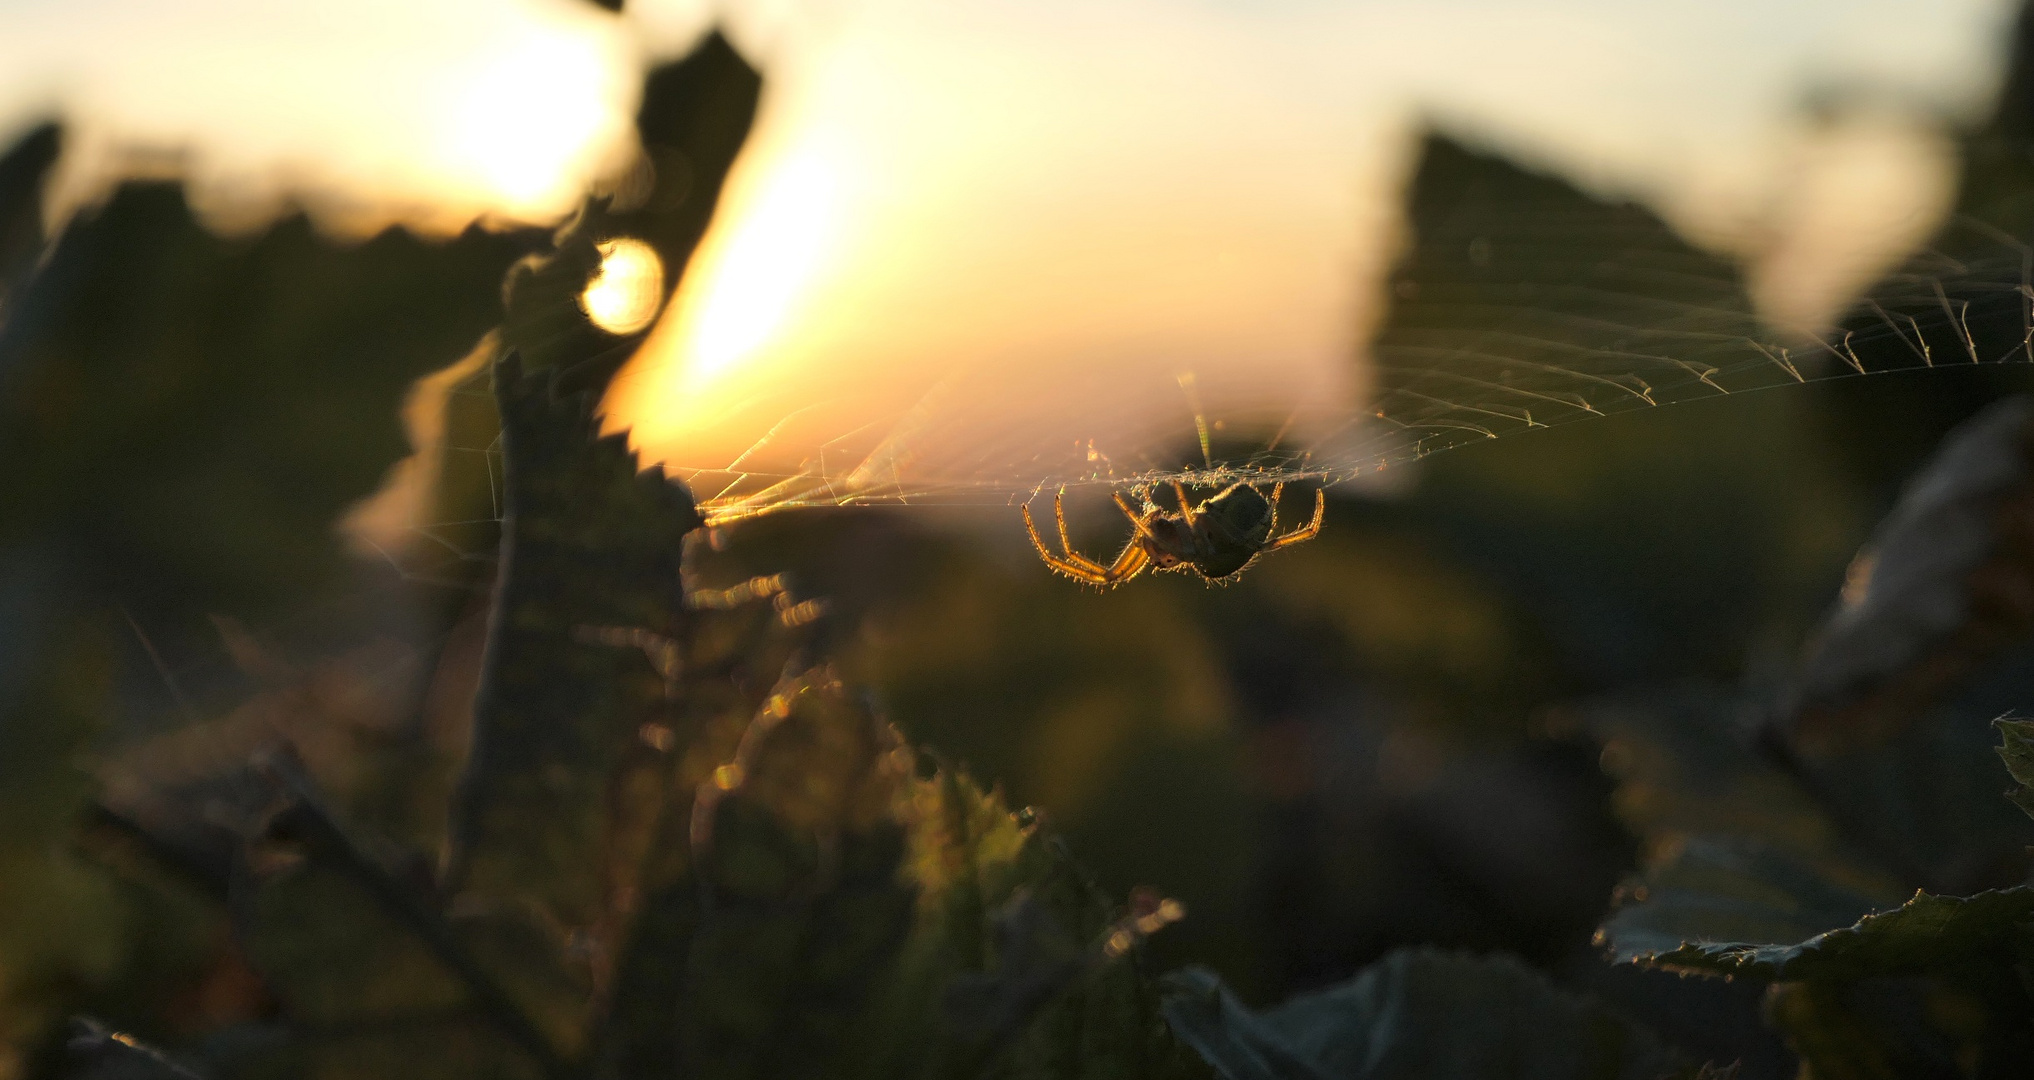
(624, 296)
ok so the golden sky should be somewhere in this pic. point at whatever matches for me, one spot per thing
(972, 239)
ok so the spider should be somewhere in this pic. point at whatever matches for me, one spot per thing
(1216, 539)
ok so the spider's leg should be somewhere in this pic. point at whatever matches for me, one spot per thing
(1082, 569)
(1186, 509)
(1136, 519)
(1127, 565)
(1077, 572)
(1070, 563)
(1307, 531)
(1276, 490)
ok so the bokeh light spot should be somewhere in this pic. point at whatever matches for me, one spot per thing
(624, 296)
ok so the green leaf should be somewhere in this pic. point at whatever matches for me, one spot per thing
(800, 904)
(1418, 1013)
(1732, 890)
(95, 1052)
(593, 547)
(1926, 934)
(352, 947)
(2016, 749)
(1012, 967)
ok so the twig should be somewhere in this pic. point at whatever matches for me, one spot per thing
(307, 820)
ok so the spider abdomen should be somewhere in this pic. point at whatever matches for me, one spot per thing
(1215, 539)
(1231, 529)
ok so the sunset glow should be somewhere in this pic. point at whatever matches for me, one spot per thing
(747, 290)
(750, 278)
(513, 128)
(965, 240)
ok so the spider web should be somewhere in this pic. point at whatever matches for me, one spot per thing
(1522, 303)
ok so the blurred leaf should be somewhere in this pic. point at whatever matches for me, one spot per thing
(1013, 967)
(185, 415)
(1886, 720)
(93, 1052)
(1418, 1013)
(1775, 829)
(1687, 763)
(1730, 891)
(1864, 1031)
(66, 930)
(695, 117)
(23, 170)
(1945, 582)
(1526, 303)
(592, 543)
(800, 905)
(369, 971)
(252, 381)
(1735, 846)
(1926, 805)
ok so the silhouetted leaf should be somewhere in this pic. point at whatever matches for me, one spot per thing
(694, 119)
(23, 170)
(1422, 1014)
(1525, 302)
(1942, 586)
(591, 544)
(253, 382)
